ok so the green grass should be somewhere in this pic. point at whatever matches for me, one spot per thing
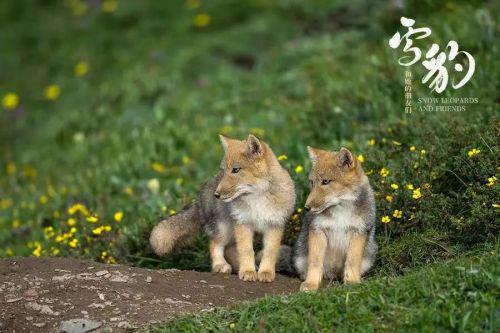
(454, 296)
(159, 90)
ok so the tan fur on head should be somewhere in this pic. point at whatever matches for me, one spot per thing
(333, 175)
(246, 165)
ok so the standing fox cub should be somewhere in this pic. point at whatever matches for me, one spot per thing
(337, 237)
(251, 193)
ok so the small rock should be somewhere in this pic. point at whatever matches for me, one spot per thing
(101, 273)
(80, 325)
(96, 306)
(61, 278)
(39, 324)
(149, 279)
(203, 281)
(12, 299)
(29, 318)
(124, 324)
(42, 308)
(101, 296)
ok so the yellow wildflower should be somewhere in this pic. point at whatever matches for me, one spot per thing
(154, 185)
(495, 205)
(5, 203)
(9, 252)
(225, 130)
(10, 101)
(409, 186)
(361, 158)
(128, 190)
(109, 6)
(49, 231)
(491, 181)
(81, 68)
(371, 142)
(417, 194)
(423, 152)
(386, 219)
(111, 260)
(55, 251)
(389, 198)
(73, 230)
(106, 228)
(257, 131)
(164, 208)
(369, 172)
(71, 222)
(473, 152)
(38, 250)
(394, 186)
(52, 92)
(186, 159)
(172, 212)
(397, 214)
(11, 168)
(413, 148)
(299, 169)
(299, 210)
(93, 218)
(202, 20)
(193, 4)
(384, 172)
(43, 199)
(78, 208)
(73, 243)
(118, 216)
(232, 326)
(179, 181)
(282, 158)
(396, 143)
(158, 167)
(97, 231)
(16, 223)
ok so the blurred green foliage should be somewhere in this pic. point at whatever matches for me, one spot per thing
(146, 86)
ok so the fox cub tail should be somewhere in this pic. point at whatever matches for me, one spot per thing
(175, 231)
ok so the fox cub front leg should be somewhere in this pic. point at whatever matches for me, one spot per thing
(219, 263)
(270, 253)
(352, 267)
(316, 244)
(243, 235)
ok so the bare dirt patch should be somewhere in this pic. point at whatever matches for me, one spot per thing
(43, 295)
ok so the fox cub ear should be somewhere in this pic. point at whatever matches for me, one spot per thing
(345, 158)
(224, 142)
(312, 154)
(254, 146)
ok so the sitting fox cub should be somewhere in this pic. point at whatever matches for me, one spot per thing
(251, 193)
(337, 237)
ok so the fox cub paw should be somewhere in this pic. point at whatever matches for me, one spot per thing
(266, 276)
(248, 275)
(223, 268)
(307, 286)
(352, 278)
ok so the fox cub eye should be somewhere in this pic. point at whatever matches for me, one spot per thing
(326, 181)
(235, 170)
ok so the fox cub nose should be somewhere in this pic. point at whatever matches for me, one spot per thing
(307, 208)
(217, 195)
